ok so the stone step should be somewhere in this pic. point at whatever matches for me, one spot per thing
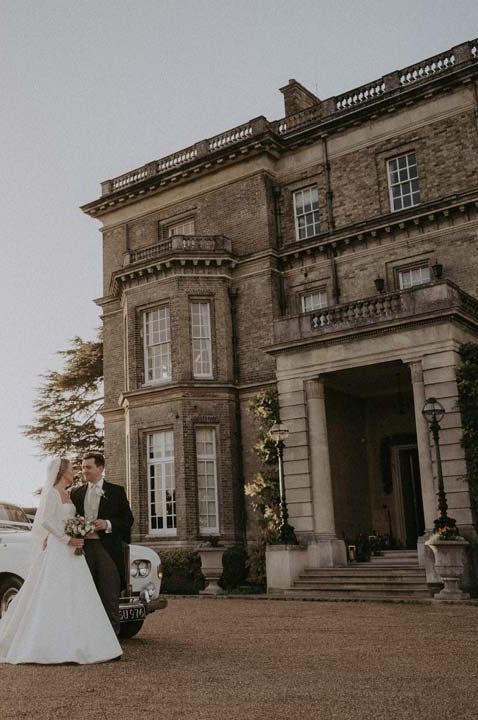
(356, 597)
(365, 571)
(345, 589)
(365, 580)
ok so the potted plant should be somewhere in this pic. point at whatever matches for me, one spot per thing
(449, 548)
(211, 554)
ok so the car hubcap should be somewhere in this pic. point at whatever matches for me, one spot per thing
(7, 598)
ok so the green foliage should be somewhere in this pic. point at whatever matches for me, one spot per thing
(234, 568)
(467, 380)
(181, 572)
(66, 409)
(263, 488)
(256, 563)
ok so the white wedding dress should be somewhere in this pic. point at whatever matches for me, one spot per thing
(57, 616)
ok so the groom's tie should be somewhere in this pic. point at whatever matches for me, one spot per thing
(92, 502)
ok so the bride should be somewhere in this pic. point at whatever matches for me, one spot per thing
(57, 616)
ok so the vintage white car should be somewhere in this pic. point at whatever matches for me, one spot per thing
(145, 571)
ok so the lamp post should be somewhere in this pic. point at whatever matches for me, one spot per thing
(279, 433)
(434, 412)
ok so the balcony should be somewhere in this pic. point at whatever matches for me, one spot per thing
(180, 245)
(433, 300)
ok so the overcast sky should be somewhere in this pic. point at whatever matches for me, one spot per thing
(90, 90)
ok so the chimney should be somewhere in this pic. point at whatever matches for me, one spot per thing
(297, 97)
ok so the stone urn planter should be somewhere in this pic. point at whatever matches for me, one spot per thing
(211, 566)
(449, 558)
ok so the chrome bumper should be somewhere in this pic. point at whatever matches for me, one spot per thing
(148, 605)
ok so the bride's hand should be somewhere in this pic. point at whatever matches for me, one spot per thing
(76, 542)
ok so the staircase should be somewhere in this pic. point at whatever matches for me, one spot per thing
(395, 575)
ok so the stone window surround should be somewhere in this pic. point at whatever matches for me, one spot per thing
(139, 312)
(214, 428)
(395, 266)
(205, 296)
(288, 211)
(400, 183)
(144, 464)
(316, 289)
(312, 212)
(164, 224)
(382, 156)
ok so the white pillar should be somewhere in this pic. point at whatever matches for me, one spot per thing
(326, 550)
(429, 491)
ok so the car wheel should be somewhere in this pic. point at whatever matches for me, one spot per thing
(130, 629)
(8, 589)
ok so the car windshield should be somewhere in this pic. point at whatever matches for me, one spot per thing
(12, 514)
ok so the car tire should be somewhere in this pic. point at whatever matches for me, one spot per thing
(8, 589)
(130, 629)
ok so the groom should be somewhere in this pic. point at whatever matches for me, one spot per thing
(107, 505)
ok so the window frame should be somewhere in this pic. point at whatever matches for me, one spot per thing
(400, 183)
(146, 347)
(180, 223)
(419, 265)
(315, 225)
(161, 462)
(200, 375)
(310, 293)
(209, 530)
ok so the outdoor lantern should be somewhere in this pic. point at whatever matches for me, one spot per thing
(379, 284)
(279, 433)
(437, 270)
(433, 411)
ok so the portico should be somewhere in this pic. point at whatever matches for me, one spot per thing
(359, 458)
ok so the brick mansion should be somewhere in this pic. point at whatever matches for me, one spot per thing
(331, 255)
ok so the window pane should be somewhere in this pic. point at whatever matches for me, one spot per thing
(306, 209)
(161, 478)
(183, 228)
(201, 339)
(206, 479)
(403, 181)
(157, 344)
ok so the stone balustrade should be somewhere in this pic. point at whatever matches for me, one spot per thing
(436, 297)
(440, 64)
(182, 244)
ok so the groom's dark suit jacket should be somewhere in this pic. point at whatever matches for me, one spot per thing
(114, 507)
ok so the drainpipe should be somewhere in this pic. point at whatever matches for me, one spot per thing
(277, 194)
(328, 186)
(332, 253)
(241, 496)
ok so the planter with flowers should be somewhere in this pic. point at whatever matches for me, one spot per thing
(211, 554)
(449, 550)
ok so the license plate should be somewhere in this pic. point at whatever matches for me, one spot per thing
(135, 612)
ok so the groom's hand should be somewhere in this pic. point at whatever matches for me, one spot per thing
(101, 524)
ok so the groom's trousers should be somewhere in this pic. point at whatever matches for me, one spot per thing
(106, 578)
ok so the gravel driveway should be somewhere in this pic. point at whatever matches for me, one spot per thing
(248, 659)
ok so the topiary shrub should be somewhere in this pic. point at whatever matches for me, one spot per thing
(181, 572)
(234, 568)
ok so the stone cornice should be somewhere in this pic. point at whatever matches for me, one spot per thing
(397, 89)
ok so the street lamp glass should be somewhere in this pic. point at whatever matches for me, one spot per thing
(279, 432)
(433, 411)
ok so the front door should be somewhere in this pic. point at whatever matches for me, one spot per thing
(409, 519)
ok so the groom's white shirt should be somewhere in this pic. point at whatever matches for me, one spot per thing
(96, 488)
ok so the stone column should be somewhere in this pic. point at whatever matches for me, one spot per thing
(429, 492)
(326, 550)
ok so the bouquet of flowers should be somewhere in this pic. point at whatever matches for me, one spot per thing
(79, 527)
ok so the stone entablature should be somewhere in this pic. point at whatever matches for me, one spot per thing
(182, 253)
(335, 113)
(440, 299)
